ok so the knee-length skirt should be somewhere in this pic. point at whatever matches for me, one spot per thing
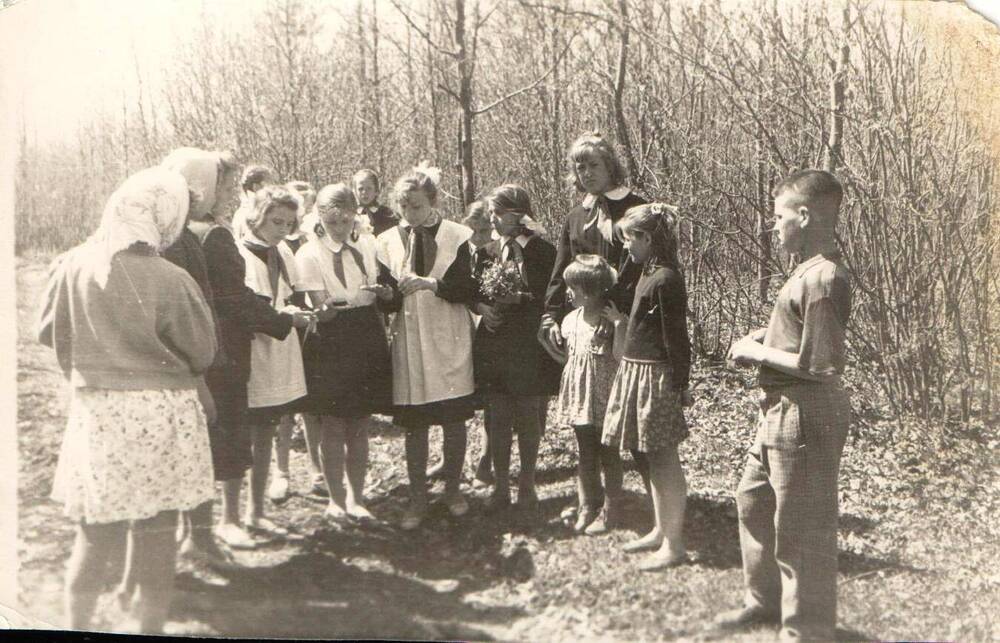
(645, 413)
(128, 455)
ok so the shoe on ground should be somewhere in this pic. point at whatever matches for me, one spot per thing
(584, 518)
(414, 515)
(335, 513)
(358, 511)
(319, 486)
(266, 525)
(498, 503)
(214, 557)
(277, 491)
(457, 505)
(745, 617)
(235, 537)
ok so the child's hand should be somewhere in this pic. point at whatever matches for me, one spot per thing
(326, 312)
(746, 352)
(612, 314)
(410, 284)
(207, 401)
(382, 292)
(491, 318)
(548, 333)
(300, 318)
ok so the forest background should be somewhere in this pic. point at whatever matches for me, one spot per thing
(709, 102)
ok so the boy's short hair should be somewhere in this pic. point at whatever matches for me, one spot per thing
(590, 273)
(812, 185)
(266, 199)
(364, 174)
(255, 174)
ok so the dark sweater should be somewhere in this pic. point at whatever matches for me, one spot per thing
(240, 311)
(577, 239)
(382, 218)
(657, 325)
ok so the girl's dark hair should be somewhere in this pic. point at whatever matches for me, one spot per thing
(510, 198)
(659, 221)
(421, 178)
(591, 145)
(591, 274)
(477, 211)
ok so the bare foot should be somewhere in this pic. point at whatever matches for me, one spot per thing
(649, 542)
(358, 511)
(664, 558)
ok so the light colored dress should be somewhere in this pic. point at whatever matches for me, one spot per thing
(587, 376)
(128, 455)
(277, 376)
(431, 337)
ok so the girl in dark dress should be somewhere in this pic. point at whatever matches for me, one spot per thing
(348, 371)
(513, 371)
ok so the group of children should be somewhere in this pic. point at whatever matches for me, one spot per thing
(393, 315)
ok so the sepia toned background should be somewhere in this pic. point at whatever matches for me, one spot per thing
(710, 102)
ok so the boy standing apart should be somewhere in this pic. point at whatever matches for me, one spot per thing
(787, 499)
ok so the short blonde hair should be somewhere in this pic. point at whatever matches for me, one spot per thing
(592, 274)
(267, 199)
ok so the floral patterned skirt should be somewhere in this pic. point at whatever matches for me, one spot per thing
(645, 413)
(128, 455)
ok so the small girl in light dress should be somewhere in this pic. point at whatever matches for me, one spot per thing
(584, 390)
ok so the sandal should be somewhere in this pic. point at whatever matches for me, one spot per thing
(235, 537)
(265, 525)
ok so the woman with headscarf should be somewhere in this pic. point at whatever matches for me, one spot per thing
(132, 334)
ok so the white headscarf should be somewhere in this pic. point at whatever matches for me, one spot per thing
(201, 170)
(151, 207)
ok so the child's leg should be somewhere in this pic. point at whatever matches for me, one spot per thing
(588, 440)
(310, 424)
(611, 465)
(527, 421)
(484, 469)
(283, 443)
(231, 501)
(357, 463)
(261, 436)
(94, 547)
(642, 466)
(155, 559)
(501, 422)
(416, 463)
(669, 499)
(454, 455)
(331, 457)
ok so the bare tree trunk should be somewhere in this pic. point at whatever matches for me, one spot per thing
(363, 81)
(465, 100)
(833, 157)
(376, 94)
(619, 91)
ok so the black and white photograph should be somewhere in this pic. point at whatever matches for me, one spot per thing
(501, 320)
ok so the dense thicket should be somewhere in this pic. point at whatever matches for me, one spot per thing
(709, 102)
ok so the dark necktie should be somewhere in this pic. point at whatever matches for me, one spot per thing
(423, 250)
(513, 252)
(338, 263)
(275, 272)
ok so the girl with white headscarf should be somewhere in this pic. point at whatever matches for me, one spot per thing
(132, 334)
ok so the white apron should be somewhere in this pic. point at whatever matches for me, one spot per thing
(431, 338)
(276, 373)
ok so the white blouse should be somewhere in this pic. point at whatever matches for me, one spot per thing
(314, 261)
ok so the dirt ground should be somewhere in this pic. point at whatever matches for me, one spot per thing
(920, 538)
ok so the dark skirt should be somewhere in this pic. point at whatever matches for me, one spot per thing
(228, 437)
(452, 411)
(348, 367)
(511, 361)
